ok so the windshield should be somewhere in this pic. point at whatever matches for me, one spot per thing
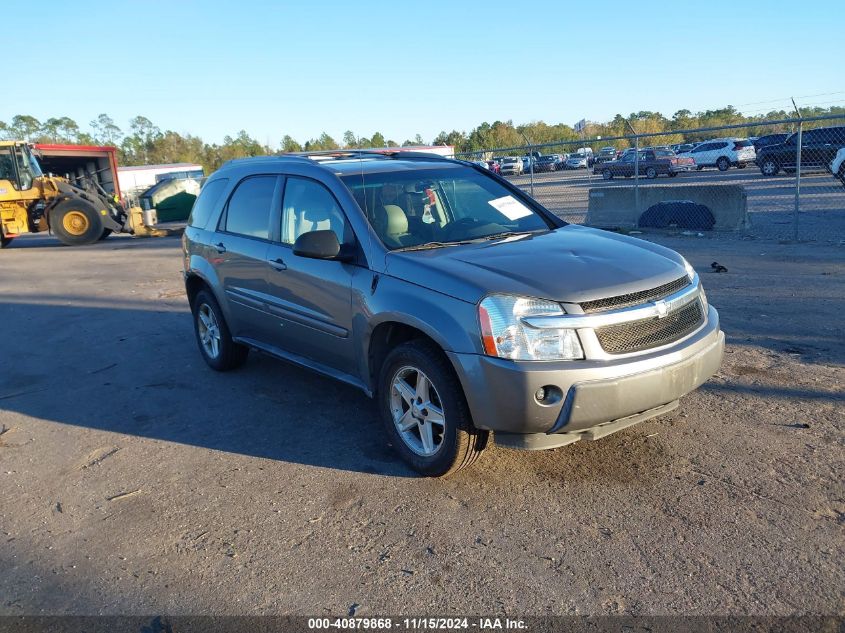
(440, 206)
(576, 156)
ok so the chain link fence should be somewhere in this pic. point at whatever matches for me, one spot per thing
(782, 180)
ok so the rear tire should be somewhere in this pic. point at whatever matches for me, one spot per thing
(218, 349)
(769, 167)
(438, 436)
(723, 164)
(607, 174)
(76, 222)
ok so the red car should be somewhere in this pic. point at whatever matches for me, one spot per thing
(494, 166)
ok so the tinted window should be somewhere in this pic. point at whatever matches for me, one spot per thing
(309, 206)
(207, 202)
(813, 136)
(249, 207)
(703, 147)
(721, 145)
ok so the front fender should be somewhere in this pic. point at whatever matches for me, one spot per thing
(449, 322)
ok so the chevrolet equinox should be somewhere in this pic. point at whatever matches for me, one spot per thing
(456, 300)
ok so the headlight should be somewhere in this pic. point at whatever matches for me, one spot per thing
(690, 270)
(503, 333)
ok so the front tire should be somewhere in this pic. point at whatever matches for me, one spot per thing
(607, 174)
(76, 222)
(723, 164)
(651, 173)
(218, 349)
(424, 411)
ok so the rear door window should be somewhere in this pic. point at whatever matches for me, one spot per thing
(207, 202)
(249, 209)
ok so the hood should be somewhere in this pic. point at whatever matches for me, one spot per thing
(570, 265)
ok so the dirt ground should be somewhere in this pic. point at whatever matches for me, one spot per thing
(138, 481)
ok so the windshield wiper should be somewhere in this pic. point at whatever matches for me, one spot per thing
(426, 246)
(503, 234)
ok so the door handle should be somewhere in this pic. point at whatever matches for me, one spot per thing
(277, 263)
(220, 247)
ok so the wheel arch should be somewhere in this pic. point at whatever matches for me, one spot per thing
(202, 277)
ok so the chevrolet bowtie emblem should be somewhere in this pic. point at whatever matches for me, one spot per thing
(662, 308)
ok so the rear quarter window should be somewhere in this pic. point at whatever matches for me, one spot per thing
(207, 202)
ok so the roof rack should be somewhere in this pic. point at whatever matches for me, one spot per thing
(343, 154)
(387, 153)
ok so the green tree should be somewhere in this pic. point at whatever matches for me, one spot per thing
(24, 127)
(377, 140)
(105, 130)
(323, 142)
(290, 145)
(350, 141)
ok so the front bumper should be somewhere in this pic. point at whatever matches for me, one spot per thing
(500, 392)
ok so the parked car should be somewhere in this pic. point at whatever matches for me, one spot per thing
(549, 162)
(652, 163)
(511, 166)
(494, 166)
(528, 162)
(818, 149)
(723, 153)
(588, 152)
(414, 279)
(837, 166)
(769, 139)
(576, 161)
(606, 154)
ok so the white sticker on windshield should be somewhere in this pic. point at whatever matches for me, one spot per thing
(510, 207)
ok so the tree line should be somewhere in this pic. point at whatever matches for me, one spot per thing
(144, 143)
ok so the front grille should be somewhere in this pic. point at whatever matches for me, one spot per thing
(636, 298)
(648, 333)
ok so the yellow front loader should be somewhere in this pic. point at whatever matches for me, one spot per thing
(31, 202)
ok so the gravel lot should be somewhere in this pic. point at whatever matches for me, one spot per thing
(138, 481)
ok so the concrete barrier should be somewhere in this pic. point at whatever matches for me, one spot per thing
(616, 207)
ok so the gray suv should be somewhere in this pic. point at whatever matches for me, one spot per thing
(456, 300)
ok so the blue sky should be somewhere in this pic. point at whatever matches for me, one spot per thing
(214, 67)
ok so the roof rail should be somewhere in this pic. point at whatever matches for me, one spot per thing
(388, 153)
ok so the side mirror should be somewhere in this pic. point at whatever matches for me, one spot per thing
(321, 245)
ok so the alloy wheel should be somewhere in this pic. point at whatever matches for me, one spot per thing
(417, 411)
(209, 330)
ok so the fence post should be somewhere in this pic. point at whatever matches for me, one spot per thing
(637, 174)
(797, 184)
(531, 167)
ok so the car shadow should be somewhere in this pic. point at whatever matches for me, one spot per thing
(132, 367)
